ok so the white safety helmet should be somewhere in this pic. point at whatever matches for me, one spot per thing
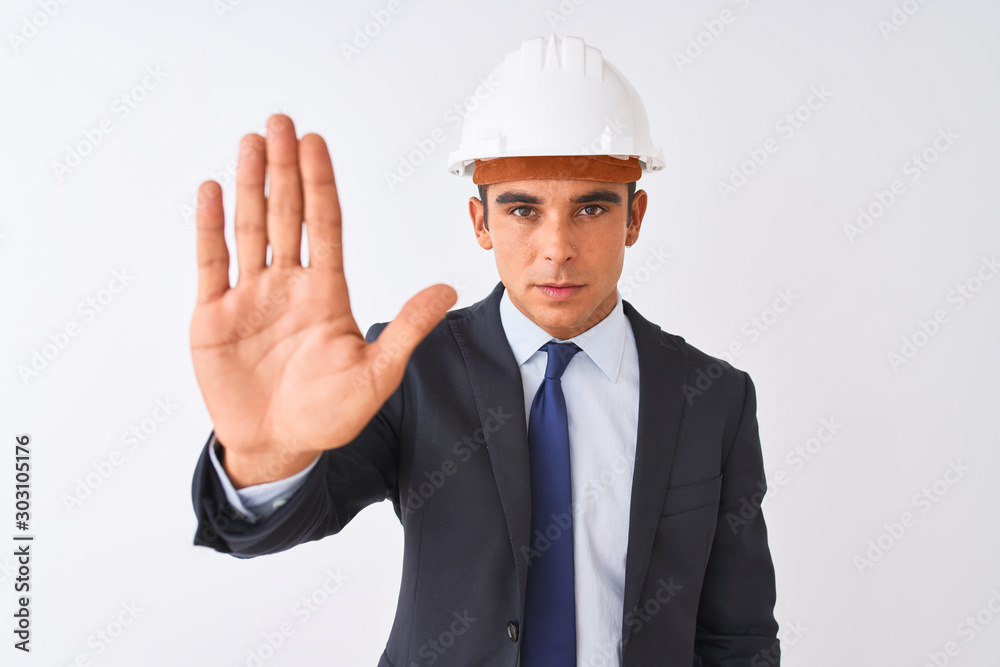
(557, 96)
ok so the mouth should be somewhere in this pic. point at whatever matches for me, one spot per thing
(559, 290)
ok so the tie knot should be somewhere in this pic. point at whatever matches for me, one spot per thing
(559, 355)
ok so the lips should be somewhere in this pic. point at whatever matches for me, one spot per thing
(559, 291)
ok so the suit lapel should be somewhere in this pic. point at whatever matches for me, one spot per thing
(662, 373)
(496, 383)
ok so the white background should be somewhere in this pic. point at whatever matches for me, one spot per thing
(128, 206)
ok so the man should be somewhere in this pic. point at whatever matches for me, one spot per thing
(575, 485)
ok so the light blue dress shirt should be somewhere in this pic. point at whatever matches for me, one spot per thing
(601, 387)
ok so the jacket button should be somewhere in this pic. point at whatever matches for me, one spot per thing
(512, 631)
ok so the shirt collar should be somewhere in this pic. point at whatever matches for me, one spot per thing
(604, 342)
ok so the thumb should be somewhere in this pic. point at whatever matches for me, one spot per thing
(415, 320)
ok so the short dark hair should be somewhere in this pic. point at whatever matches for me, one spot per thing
(482, 198)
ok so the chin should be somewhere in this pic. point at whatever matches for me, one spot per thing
(562, 318)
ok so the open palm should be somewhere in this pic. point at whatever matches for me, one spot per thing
(283, 367)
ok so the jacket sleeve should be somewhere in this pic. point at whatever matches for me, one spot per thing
(257, 501)
(735, 623)
(342, 483)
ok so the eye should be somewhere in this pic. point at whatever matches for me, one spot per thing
(521, 211)
(592, 210)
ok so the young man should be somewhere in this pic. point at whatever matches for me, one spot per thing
(573, 482)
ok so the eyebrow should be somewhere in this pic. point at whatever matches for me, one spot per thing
(594, 196)
(599, 195)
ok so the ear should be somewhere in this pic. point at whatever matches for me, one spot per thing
(639, 202)
(476, 214)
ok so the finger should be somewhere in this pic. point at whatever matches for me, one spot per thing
(393, 347)
(322, 206)
(284, 197)
(213, 255)
(251, 206)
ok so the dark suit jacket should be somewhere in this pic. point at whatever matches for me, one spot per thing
(449, 449)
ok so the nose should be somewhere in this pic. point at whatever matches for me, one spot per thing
(559, 241)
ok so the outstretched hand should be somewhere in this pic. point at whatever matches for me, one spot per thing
(283, 367)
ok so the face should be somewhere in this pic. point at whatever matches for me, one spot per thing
(559, 246)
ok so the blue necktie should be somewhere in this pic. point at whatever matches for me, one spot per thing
(549, 636)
